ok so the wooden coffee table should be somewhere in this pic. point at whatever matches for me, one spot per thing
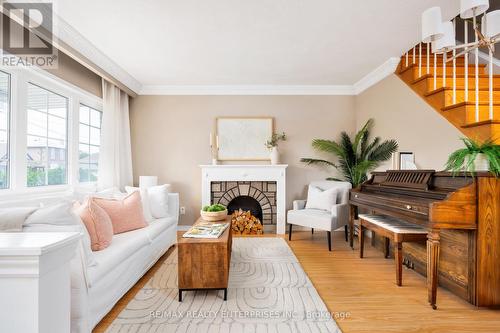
(204, 263)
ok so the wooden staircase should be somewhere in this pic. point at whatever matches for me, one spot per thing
(461, 114)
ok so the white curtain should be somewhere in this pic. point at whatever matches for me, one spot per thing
(115, 158)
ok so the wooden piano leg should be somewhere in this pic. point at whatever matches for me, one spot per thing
(398, 259)
(432, 266)
(361, 238)
(386, 247)
(352, 215)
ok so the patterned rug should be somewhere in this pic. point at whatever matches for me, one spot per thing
(268, 292)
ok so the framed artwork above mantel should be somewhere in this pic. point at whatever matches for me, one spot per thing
(243, 138)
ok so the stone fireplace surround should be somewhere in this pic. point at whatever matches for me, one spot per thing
(262, 193)
(266, 184)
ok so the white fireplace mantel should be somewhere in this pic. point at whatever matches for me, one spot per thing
(240, 172)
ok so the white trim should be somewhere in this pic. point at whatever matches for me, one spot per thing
(20, 77)
(377, 75)
(247, 90)
(70, 36)
(70, 41)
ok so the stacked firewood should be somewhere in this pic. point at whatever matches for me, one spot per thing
(244, 223)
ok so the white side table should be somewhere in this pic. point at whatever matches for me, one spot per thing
(35, 288)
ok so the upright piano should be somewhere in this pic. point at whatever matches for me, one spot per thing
(462, 216)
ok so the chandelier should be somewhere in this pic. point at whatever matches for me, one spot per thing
(442, 34)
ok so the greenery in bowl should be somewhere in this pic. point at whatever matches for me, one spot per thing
(463, 159)
(214, 208)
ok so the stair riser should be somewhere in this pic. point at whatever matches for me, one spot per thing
(484, 113)
(483, 132)
(439, 63)
(449, 71)
(445, 98)
(460, 83)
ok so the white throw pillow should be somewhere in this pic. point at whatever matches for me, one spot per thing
(12, 219)
(60, 217)
(110, 193)
(146, 211)
(158, 200)
(321, 199)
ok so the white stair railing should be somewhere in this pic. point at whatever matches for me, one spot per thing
(466, 63)
(454, 68)
(420, 60)
(476, 62)
(428, 53)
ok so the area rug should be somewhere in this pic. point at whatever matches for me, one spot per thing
(268, 292)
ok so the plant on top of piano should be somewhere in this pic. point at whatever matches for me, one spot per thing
(356, 157)
(474, 157)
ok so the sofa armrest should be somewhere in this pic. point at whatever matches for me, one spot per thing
(299, 204)
(173, 205)
(340, 214)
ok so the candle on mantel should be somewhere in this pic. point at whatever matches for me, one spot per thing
(217, 141)
(211, 139)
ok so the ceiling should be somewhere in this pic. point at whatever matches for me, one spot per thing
(249, 42)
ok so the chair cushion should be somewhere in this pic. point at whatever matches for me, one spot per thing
(311, 218)
(318, 198)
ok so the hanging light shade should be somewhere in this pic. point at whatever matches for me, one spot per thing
(467, 7)
(431, 25)
(491, 24)
(448, 39)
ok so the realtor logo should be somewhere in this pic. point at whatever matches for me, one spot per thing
(26, 38)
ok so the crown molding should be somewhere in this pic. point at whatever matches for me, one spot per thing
(68, 40)
(247, 90)
(377, 75)
(71, 42)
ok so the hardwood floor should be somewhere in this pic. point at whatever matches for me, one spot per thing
(362, 293)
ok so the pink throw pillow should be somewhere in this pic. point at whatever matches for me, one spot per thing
(97, 222)
(126, 214)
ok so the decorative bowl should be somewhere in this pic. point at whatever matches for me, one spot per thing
(214, 216)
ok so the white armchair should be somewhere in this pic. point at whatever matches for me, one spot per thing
(336, 217)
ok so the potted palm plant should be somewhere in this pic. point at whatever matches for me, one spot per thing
(474, 157)
(356, 157)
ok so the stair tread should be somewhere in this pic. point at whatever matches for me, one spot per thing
(440, 89)
(468, 103)
(458, 76)
(481, 123)
(413, 66)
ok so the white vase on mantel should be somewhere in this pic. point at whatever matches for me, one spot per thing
(481, 163)
(275, 156)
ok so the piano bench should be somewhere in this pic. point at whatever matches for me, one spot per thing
(391, 228)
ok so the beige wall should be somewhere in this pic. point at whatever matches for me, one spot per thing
(170, 136)
(401, 114)
(170, 133)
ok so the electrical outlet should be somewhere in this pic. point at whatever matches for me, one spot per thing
(183, 210)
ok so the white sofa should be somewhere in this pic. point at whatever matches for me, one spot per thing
(96, 287)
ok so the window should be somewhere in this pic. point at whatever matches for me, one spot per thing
(46, 137)
(4, 129)
(89, 142)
